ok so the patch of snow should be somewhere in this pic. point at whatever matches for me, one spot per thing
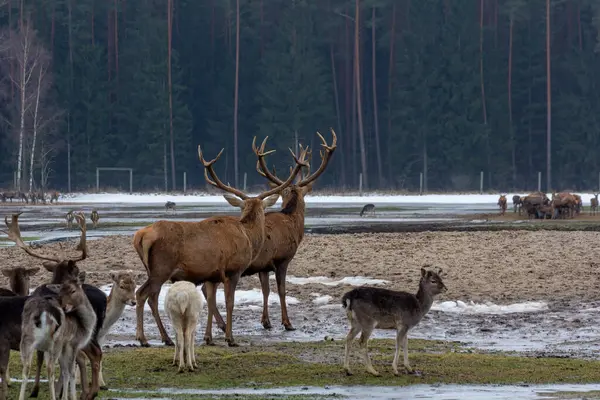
(245, 298)
(489, 308)
(374, 198)
(322, 300)
(323, 280)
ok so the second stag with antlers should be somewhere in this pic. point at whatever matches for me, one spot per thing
(284, 232)
(217, 249)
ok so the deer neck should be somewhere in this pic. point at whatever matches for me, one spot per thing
(294, 209)
(86, 316)
(254, 227)
(19, 287)
(425, 299)
(114, 309)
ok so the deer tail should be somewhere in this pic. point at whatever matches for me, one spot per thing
(142, 242)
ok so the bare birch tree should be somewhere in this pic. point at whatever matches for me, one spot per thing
(38, 122)
(23, 50)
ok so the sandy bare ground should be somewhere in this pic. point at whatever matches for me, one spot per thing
(496, 266)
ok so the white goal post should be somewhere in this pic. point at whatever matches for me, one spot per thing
(98, 169)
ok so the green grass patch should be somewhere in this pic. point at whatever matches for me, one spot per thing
(319, 364)
(25, 239)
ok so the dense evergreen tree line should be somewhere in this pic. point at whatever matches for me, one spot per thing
(445, 87)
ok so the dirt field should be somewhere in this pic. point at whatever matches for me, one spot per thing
(496, 266)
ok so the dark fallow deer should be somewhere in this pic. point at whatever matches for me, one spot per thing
(95, 217)
(284, 232)
(217, 249)
(594, 204)
(18, 280)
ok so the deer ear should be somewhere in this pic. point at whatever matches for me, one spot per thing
(234, 201)
(33, 271)
(53, 287)
(114, 276)
(50, 265)
(81, 278)
(423, 272)
(6, 272)
(306, 189)
(269, 201)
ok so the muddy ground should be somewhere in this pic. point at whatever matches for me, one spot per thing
(504, 266)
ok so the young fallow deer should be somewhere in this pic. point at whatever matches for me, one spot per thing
(183, 305)
(368, 308)
(18, 280)
(217, 249)
(95, 217)
(284, 232)
(502, 204)
(69, 217)
(594, 204)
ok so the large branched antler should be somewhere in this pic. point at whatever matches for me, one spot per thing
(215, 181)
(82, 246)
(325, 157)
(261, 165)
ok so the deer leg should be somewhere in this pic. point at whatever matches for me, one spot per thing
(179, 339)
(141, 296)
(354, 330)
(94, 352)
(50, 364)
(26, 356)
(400, 334)
(230, 284)
(216, 313)
(364, 340)
(211, 299)
(263, 276)
(188, 343)
(192, 340)
(38, 371)
(4, 356)
(80, 360)
(154, 291)
(405, 348)
(280, 274)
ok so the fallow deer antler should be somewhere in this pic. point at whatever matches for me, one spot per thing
(216, 182)
(82, 246)
(325, 157)
(14, 234)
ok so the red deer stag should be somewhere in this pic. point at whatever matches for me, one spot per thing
(502, 204)
(284, 231)
(217, 249)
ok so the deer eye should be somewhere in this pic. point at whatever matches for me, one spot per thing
(433, 281)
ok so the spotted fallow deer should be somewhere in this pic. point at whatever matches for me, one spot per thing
(217, 249)
(284, 231)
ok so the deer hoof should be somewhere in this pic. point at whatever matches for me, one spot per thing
(208, 341)
(169, 342)
(348, 372)
(289, 327)
(103, 387)
(267, 324)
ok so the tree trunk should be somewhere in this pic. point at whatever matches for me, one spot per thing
(483, 102)
(35, 124)
(236, 93)
(337, 112)
(70, 97)
(170, 83)
(510, 113)
(375, 111)
(390, 85)
(23, 88)
(361, 135)
(549, 103)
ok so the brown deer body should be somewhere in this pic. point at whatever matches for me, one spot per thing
(594, 204)
(95, 217)
(502, 204)
(217, 249)
(284, 232)
(69, 217)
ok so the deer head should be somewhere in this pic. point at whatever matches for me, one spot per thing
(303, 185)
(250, 205)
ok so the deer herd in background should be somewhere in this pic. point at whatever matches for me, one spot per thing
(538, 205)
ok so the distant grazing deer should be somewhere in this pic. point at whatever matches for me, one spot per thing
(368, 308)
(516, 199)
(95, 217)
(367, 208)
(217, 249)
(284, 231)
(54, 197)
(169, 205)
(69, 217)
(594, 204)
(183, 305)
(502, 204)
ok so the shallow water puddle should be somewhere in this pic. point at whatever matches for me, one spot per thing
(443, 392)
